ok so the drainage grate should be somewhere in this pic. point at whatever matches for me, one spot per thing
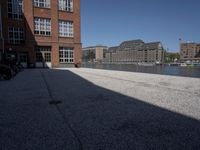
(54, 102)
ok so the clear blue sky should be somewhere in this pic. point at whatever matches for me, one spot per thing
(109, 22)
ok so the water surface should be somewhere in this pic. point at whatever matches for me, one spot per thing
(165, 70)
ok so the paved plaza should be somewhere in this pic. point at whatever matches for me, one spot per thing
(90, 109)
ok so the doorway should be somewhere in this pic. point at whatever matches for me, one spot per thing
(43, 57)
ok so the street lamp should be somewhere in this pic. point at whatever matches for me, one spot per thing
(163, 56)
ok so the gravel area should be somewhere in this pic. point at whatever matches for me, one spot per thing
(89, 109)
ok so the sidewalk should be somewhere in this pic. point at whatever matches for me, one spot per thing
(98, 109)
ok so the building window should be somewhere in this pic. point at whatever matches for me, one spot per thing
(15, 9)
(66, 55)
(15, 35)
(47, 57)
(42, 3)
(66, 5)
(66, 29)
(43, 53)
(39, 57)
(42, 26)
(23, 58)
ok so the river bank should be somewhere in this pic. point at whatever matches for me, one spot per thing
(188, 71)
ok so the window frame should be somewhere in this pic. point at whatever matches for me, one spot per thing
(66, 5)
(66, 28)
(42, 26)
(43, 54)
(66, 55)
(15, 9)
(16, 35)
(42, 4)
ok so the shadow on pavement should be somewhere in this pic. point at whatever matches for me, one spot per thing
(97, 118)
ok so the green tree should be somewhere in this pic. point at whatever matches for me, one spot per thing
(171, 57)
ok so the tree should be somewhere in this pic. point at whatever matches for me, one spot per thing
(171, 57)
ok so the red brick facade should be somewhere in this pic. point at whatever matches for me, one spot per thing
(54, 41)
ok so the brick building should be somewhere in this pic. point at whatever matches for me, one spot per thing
(42, 33)
(190, 52)
(135, 51)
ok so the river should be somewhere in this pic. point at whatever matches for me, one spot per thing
(165, 70)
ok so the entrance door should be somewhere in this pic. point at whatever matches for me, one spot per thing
(39, 60)
(43, 57)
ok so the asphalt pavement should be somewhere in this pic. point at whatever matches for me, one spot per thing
(89, 109)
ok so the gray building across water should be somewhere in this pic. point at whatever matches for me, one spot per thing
(94, 53)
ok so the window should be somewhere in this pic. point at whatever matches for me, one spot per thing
(42, 3)
(15, 9)
(42, 26)
(43, 48)
(15, 35)
(43, 53)
(23, 58)
(66, 29)
(66, 55)
(39, 57)
(66, 5)
(47, 57)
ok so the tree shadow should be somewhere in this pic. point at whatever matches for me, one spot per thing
(103, 119)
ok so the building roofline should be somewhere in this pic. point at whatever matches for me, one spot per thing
(92, 47)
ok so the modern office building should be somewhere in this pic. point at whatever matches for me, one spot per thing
(190, 52)
(94, 53)
(42, 33)
(135, 51)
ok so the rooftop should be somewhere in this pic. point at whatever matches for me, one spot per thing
(136, 45)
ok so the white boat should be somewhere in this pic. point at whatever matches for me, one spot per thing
(183, 65)
(146, 64)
